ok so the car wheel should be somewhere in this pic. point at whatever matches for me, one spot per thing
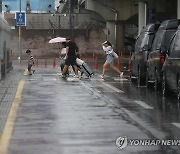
(130, 76)
(155, 80)
(139, 77)
(147, 79)
(164, 89)
(178, 89)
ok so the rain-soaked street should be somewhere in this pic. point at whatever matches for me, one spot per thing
(66, 116)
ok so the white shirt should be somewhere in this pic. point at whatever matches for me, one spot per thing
(63, 53)
(108, 50)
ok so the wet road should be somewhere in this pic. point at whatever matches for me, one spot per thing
(58, 116)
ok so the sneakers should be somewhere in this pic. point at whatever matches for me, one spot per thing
(76, 76)
(121, 75)
(63, 76)
(101, 76)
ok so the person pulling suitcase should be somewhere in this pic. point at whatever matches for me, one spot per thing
(70, 58)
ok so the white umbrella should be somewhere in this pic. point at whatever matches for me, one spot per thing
(57, 39)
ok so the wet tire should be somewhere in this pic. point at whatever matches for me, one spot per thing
(164, 86)
(155, 80)
(139, 77)
(130, 76)
(178, 89)
(147, 79)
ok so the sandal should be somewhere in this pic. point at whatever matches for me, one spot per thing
(101, 76)
(121, 75)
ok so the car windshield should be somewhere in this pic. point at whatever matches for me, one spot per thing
(142, 40)
(175, 46)
(158, 40)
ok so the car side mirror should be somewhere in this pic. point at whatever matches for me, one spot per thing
(146, 48)
(163, 50)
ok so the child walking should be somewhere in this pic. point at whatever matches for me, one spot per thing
(30, 62)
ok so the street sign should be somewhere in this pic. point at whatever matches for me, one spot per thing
(20, 19)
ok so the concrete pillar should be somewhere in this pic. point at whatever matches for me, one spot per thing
(178, 9)
(89, 4)
(141, 15)
(111, 35)
(120, 38)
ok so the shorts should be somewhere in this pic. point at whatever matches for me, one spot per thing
(70, 61)
(29, 67)
(109, 59)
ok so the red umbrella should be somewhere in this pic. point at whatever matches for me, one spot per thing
(57, 39)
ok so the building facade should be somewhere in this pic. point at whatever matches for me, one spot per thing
(88, 22)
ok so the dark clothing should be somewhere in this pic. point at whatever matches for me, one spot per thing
(77, 52)
(29, 67)
(72, 48)
(71, 59)
(30, 64)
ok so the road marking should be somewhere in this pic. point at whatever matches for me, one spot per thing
(49, 79)
(72, 79)
(141, 103)
(120, 79)
(8, 129)
(96, 79)
(156, 132)
(112, 87)
(176, 124)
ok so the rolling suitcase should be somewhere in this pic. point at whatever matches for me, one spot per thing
(84, 68)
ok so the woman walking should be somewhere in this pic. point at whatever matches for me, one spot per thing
(107, 47)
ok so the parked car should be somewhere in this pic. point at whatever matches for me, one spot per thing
(157, 55)
(171, 67)
(142, 47)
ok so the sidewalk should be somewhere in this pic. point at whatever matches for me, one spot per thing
(8, 87)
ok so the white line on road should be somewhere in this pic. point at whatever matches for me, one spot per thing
(120, 79)
(141, 103)
(112, 87)
(176, 124)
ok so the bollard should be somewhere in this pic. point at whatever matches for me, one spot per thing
(86, 56)
(129, 63)
(107, 67)
(54, 63)
(119, 63)
(20, 62)
(19, 59)
(96, 64)
(80, 56)
(36, 62)
(93, 57)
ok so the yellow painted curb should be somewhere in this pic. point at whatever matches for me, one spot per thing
(8, 129)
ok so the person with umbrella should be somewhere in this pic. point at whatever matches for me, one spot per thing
(63, 57)
(71, 48)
